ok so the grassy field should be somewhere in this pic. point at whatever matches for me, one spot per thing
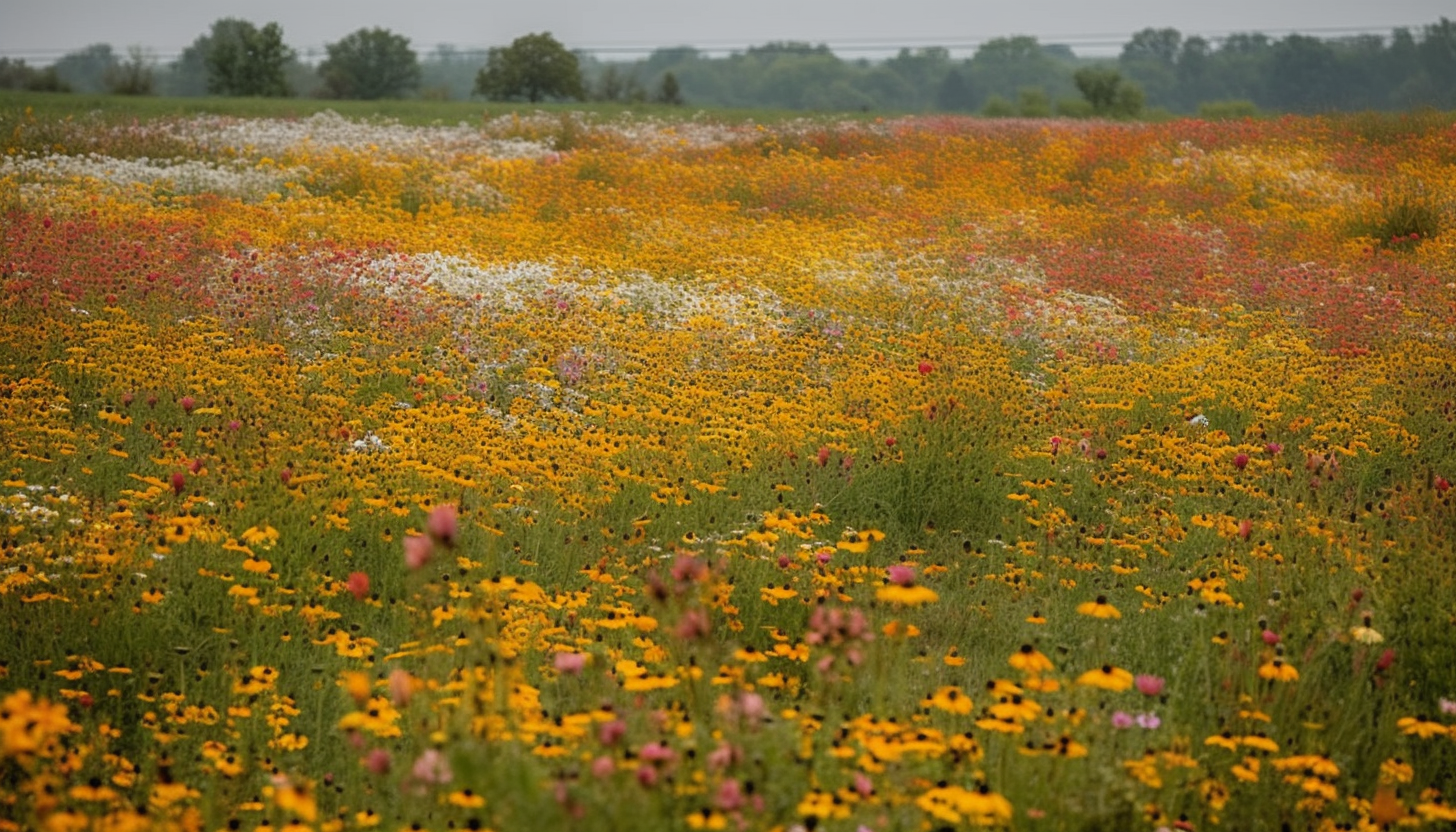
(472, 468)
(405, 111)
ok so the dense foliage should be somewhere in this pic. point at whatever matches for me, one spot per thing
(1239, 73)
(534, 68)
(558, 473)
(370, 64)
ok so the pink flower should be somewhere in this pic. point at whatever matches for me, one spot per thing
(188, 403)
(443, 524)
(1149, 721)
(723, 756)
(417, 550)
(602, 767)
(688, 569)
(863, 785)
(432, 769)
(1149, 685)
(752, 707)
(1273, 448)
(656, 752)
(1447, 706)
(377, 762)
(285, 475)
(569, 663)
(612, 732)
(730, 796)
(1241, 461)
(1270, 637)
(358, 585)
(693, 625)
(901, 575)
(823, 456)
(1122, 719)
(179, 482)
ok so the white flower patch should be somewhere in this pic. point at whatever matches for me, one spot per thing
(515, 287)
(184, 176)
(328, 130)
(370, 444)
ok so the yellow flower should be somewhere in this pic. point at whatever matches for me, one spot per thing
(1366, 635)
(1031, 661)
(1278, 671)
(950, 699)
(909, 596)
(1099, 608)
(1396, 770)
(707, 819)
(466, 799)
(1107, 677)
(1420, 727)
(1260, 742)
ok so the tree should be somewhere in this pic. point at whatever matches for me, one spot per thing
(1109, 95)
(370, 64)
(241, 59)
(85, 69)
(132, 76)
(533, 67)
(1305, 74)
(616, 84)
(1151, 59)
(1004, 66)
(955, 93)
(17, 75)
(668, 92)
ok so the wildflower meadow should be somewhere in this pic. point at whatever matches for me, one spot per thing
(560, 471)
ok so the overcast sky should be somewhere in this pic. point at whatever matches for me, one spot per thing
(41, 30)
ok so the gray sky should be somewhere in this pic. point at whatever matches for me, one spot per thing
(41, 30)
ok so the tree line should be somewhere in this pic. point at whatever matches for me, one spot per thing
(1156, 69)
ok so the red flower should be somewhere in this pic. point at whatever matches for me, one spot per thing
(1386, 659)
(179, 482)
(926, 368)
(358, 584)
(1241, 461)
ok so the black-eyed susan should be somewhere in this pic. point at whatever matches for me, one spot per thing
(1107, 677)
(1030, 661)
(1099, 608)
(1419, 726)
(950, 699)
(906, 596)
(1278, 670)
(465, 799)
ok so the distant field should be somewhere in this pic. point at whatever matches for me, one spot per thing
(524, 468)
(415, 112)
